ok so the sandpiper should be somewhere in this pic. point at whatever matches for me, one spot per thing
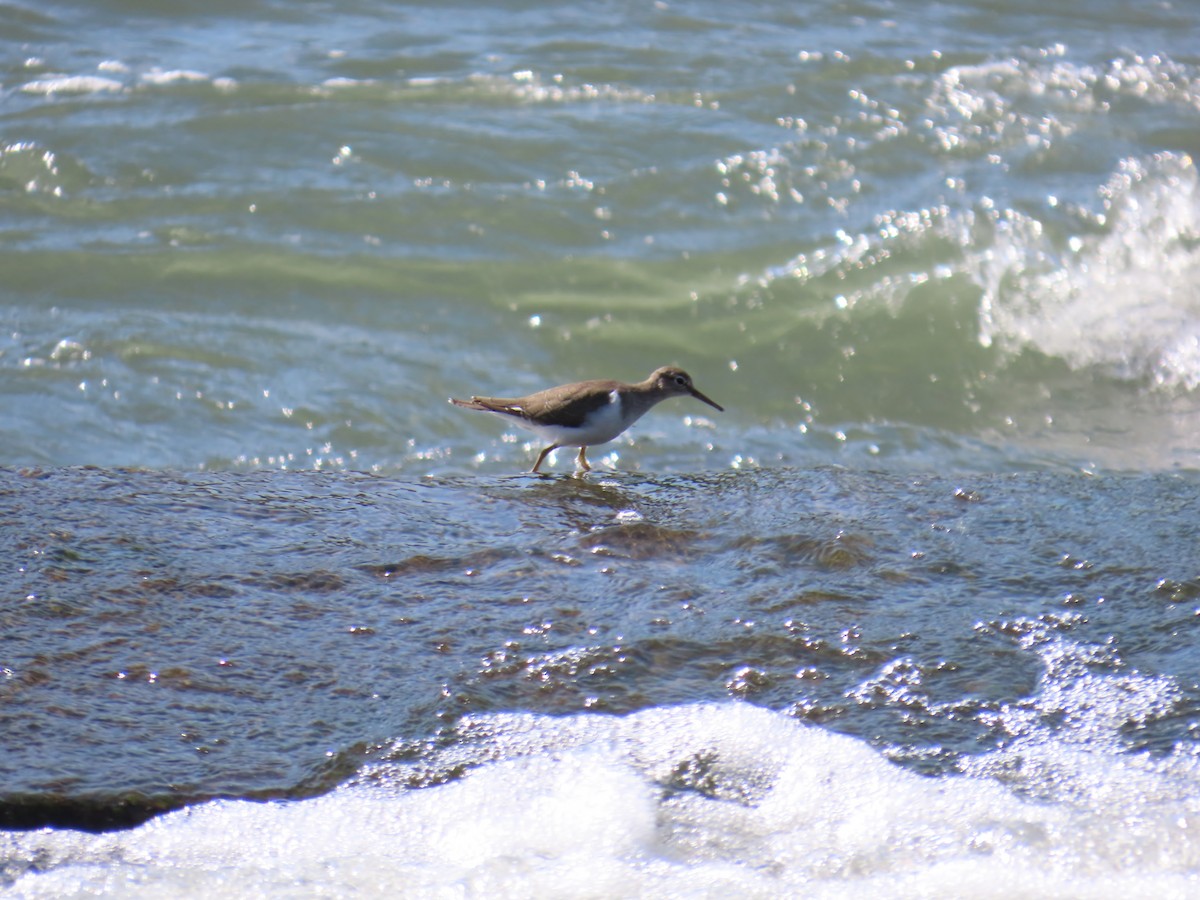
(587, 412)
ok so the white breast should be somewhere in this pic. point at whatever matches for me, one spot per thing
(602, 426)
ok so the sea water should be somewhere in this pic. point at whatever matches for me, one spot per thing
(914, 616)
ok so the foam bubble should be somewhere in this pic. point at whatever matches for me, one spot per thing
(72, 84)
(1122, 299)
(160, 77)
(677, 801)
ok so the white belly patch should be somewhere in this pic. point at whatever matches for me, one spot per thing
(602, 426)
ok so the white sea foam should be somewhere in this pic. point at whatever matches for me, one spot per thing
(72, 84)
(1122, 299)
(173, 76)
(343, 82)
(1118, 297)
(688, 801)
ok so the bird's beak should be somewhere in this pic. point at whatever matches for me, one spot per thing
(714, 404)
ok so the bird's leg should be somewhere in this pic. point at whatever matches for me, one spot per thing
(542, 456)
(583, 463)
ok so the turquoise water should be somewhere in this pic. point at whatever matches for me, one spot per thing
(282, 238)
(937, 264)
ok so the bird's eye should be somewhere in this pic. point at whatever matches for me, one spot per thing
(679, 379)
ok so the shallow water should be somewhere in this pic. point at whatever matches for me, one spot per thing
(176, 638)
(914, 614)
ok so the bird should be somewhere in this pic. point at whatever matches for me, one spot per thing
(586, 413)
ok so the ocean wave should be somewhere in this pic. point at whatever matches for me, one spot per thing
(73, 84)
(1118, 294)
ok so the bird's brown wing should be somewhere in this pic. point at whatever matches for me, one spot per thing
(569, 404)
